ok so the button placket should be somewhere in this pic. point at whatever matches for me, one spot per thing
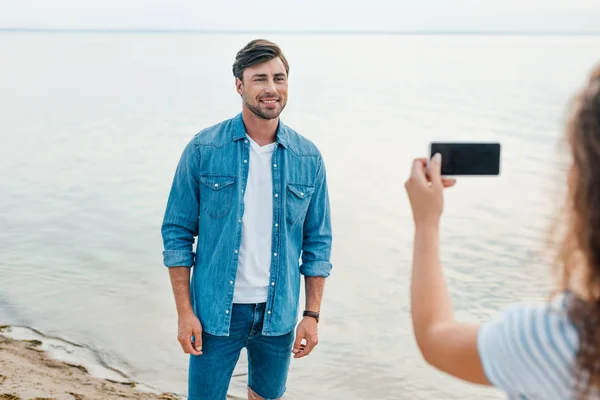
(276, 232)
(244, 171)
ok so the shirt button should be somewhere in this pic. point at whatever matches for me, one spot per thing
(272, 283)
(216, 185)
(245, 140)
(245, 161)
(276, 225)
(276, 195)
(231, 282)
(269, 312)
(301, 194)
(274, 165)
(239, 220)
(235, 251)
(275, 254)
(226, 311)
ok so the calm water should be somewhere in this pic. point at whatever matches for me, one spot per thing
(91, 128)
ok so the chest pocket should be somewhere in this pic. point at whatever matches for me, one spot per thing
(297, 201)
(216, 194)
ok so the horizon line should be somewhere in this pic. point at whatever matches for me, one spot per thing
(294, 32)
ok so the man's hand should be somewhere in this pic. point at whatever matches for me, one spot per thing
(188, 326)
(307, 330)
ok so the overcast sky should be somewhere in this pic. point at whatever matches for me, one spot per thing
(307, 15)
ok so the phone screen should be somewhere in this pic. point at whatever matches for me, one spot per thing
(468, 158)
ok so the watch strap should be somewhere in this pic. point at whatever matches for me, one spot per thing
(313, 314)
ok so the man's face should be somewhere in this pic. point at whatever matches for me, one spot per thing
(264, 88)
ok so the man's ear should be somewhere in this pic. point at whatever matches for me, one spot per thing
(239, 86)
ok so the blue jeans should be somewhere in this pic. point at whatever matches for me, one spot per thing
(268, 358)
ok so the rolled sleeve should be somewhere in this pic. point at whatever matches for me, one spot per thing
(178, 258)
(316, 268)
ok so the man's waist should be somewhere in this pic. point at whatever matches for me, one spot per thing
(245, 293)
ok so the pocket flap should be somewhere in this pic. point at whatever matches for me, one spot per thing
(301, 191)
(217, 182)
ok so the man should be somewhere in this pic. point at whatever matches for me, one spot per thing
(254, 193)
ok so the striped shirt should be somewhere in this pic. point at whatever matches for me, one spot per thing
(528, 351)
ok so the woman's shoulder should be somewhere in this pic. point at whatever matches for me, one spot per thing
(537, 321)
(555, 309)
(530, 346)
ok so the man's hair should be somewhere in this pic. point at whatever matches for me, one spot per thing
(256, 52)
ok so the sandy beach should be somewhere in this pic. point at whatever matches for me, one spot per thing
(29, 373)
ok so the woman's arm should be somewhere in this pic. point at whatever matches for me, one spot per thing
(444, 343)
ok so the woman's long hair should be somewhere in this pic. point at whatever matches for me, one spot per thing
(578, 255)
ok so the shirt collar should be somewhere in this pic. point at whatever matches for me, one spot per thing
(239, 131)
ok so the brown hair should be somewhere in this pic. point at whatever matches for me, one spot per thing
(256, 52)
(578, 252)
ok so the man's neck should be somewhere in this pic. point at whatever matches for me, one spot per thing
(262, 131)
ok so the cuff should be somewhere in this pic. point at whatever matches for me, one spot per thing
(178, 258)
(316, 268)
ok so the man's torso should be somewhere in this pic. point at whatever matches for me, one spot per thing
(224, 165)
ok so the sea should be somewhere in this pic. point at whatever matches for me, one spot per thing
(92, 125)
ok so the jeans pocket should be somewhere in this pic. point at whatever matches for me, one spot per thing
(216, 195)
(297, 201)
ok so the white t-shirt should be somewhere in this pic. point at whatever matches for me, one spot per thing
(254, 262)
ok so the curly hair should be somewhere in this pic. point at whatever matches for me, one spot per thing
(578, 252)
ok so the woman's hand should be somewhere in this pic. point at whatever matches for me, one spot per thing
(425, 190)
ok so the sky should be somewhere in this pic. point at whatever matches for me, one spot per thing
(307, 15)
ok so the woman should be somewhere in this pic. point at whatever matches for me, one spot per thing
(547, 351)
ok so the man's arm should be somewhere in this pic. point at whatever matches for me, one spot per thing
(179, 228)
(316, 265)
(180, 222)
(314, 292)
(316, 245)
(189, 329)
(180, 281)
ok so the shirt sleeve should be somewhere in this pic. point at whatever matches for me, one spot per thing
(316, 246)
(528, 350)
(180, 223)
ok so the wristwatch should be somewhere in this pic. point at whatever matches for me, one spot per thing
(313, 314)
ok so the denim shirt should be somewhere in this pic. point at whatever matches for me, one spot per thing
(207, 200)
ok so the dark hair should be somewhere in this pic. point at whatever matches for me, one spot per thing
(578, 256)
(256, 52)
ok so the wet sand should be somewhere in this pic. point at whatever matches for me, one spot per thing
(29, 373)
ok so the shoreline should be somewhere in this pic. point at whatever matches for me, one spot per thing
(28, 371)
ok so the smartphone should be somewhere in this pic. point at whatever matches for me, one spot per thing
(467, 158)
